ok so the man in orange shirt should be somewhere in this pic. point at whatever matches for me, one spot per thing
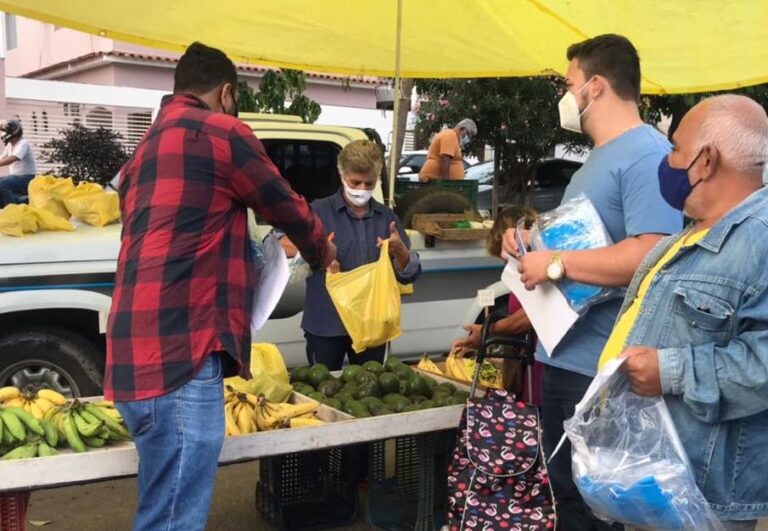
(444, 160)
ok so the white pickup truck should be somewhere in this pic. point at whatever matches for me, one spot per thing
(55, 287)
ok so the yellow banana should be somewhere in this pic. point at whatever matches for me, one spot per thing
(230, 423)
(243, 418)
(9, 392)
(104, 403)
(304, 423)
(426, 364)
(35, 410)
(14, 402)
(43, 403)
(54, 397)
(273, 415)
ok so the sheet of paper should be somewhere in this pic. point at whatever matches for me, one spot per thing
(272, 280)
(547, 308)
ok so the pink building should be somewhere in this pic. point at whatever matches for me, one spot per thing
(41, 51)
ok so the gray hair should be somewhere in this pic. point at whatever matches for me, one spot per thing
(468, 125)
(738, 127)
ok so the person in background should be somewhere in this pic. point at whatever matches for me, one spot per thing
(444, 156)
(181, 308)
(359, 224)
(694, 325)
(19, 157)
(517, 322)
(603, 89)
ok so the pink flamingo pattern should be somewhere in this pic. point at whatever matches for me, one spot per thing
(497, 479)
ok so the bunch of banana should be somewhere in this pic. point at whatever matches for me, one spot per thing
(271, 416)
(35, 403)
(239, 409)
(33, 449)
(86, 425)
(463, 369)
(426, 364)
(17, 426)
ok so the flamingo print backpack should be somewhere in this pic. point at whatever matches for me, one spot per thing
(498, 478)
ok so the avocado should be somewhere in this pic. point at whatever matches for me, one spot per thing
(371, 401)
(389, 383)
(418, 386)
(411, 407)
(402, 387)
(344, 397)
(464, 395)
(373, 366)
(392, 362)
(317, 396)
(440, 394)
(368, 389)
(356, 409)
(395, 402)
(456, 400)
(300, 374)
(391, 398)
(365, 376)
(427, 404)
(402, 371)
(330, 387)
(448, 387)
(430, 382)
(418, 399)
(303, 388)
(350, 373)
(335, 403)
(318, 373)
(378, 410)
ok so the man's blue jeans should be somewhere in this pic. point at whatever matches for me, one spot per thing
(13, 189)
(178, 437)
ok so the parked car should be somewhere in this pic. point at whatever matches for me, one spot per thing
(551, 178)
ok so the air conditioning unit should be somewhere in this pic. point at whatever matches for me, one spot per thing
(385, 97)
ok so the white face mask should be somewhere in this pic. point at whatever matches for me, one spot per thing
(570, 117)
(359, 198)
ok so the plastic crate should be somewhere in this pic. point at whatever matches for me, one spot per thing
(13, 510)
(308, 490)
(467, 188)
(407, 482)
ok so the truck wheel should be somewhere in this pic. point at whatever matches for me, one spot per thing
(53, 358)
(431, 200)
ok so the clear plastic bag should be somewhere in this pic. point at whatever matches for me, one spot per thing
(574, 225)
(628, 462)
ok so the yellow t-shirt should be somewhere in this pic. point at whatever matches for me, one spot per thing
(445, 143)
(618, 337)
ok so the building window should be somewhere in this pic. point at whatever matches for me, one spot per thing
(99, 117)
(34, 122)
(11, 38)
(45, 121)
(138, 123)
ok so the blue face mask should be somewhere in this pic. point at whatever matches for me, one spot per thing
(465, 141)
(674, 183)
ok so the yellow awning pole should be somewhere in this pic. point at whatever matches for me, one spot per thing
(393, 152)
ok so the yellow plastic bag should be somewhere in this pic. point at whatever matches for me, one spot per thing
(368, 301)
(91, 204)
(269, 375)
(48, 193)
(18, 220)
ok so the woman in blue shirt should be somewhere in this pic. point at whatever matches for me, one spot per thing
(359, 224)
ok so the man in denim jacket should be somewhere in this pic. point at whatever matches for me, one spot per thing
(694, 325)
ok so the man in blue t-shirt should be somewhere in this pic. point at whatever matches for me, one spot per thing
(620, 178)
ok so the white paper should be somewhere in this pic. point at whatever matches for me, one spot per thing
(272, 280)
(546, 307)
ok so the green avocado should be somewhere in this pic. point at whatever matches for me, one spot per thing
(350, 373)
(317, 396)
(371, 401)
(300, 374)
(373, 366)
(330, 387)
(389, 383)
(427, 404)
(356, 409)
(430, 382)
(378, 410)
(392, 362)
(368, 389)
(335, 403)
(366, 376)
(318, 373)
(303, 388)
(412, 407)
(418, 386)
(418, 399)
(449, 387)
(402, 371)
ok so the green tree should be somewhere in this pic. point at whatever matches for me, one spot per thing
(518, 117)
(275, 89)
(674, 106)
(87, 154)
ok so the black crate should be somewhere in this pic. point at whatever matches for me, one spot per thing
(407, 488)
(308, 490)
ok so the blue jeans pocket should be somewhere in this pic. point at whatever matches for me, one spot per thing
(210, 372)
(139, 416)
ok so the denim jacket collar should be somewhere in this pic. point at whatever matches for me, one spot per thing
(717, 235)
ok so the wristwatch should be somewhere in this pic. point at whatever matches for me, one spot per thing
(555, 268)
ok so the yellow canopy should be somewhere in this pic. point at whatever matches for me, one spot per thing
(685, 45)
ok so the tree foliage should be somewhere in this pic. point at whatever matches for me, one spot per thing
(87, 154)
(275, 88)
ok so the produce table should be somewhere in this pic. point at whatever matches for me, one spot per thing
(20, 477)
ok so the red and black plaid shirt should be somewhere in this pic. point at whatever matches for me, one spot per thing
(184, 273)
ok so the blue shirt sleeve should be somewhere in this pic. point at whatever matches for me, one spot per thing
(413, 269)
(645, 211)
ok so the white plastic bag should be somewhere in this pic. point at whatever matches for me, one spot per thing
(271, 267)
(574, 225)
(628, 462)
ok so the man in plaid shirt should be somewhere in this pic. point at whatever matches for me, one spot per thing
(180, 318)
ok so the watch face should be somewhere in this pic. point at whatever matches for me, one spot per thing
(554, 271)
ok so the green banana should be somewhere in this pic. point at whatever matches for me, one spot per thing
(22, 452)
(94, 442)
(31, 422)
(111, 423)
(72, 435)
(44, 450)
(85, 428)
(13, 424)
(1, 429)
(8, 439)
(51, 433)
